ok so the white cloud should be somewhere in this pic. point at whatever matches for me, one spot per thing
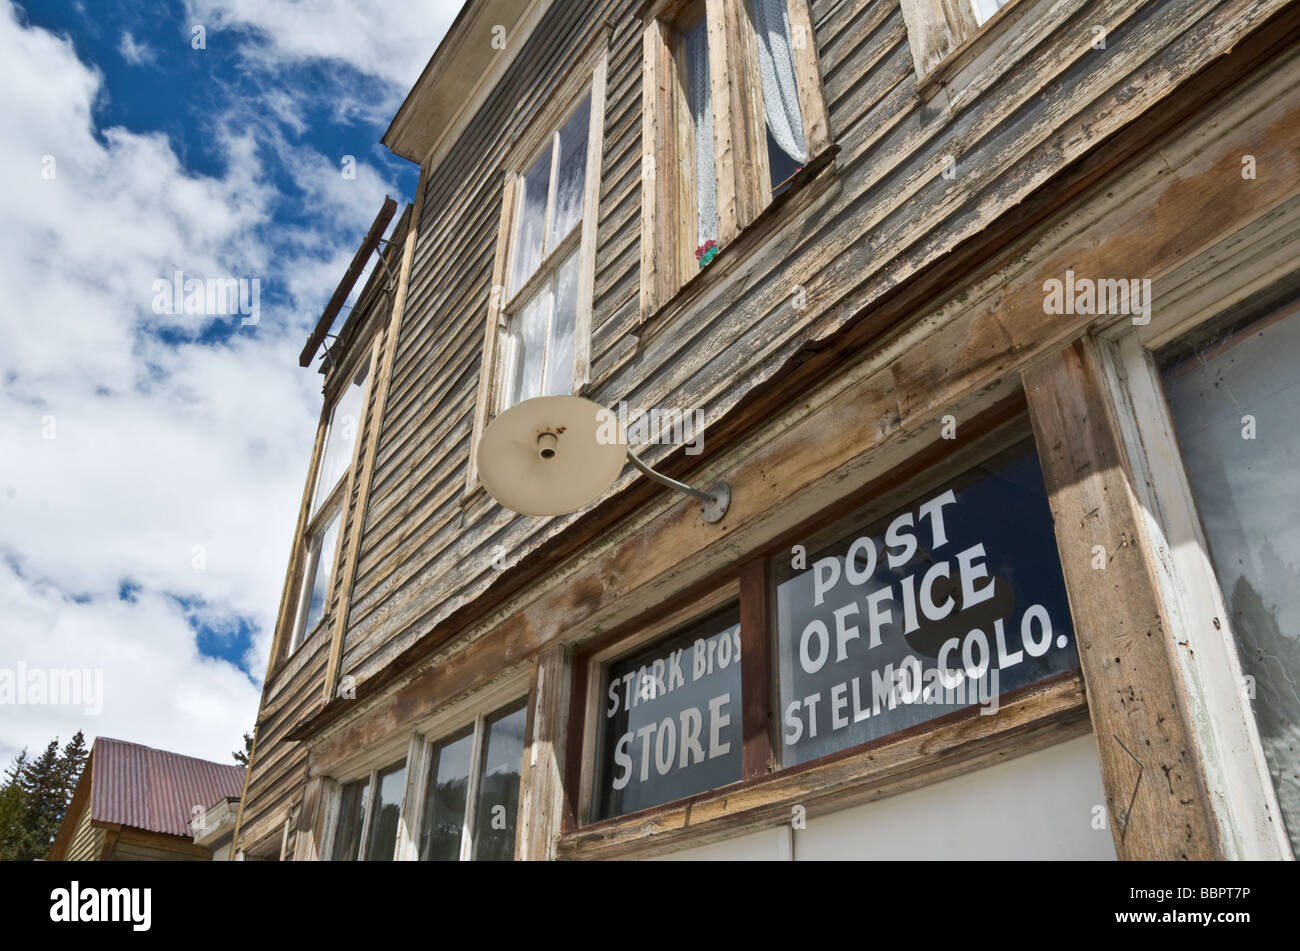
(158, 447)
(137, 54)
(390, 40)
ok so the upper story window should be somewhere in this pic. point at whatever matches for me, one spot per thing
(319, 544)
(787, 149)
(698, 176)
(314, 596)
(340, 438)
(541, 314)
(538, 336)
(986, 8)
(732, 111)
(948, 36)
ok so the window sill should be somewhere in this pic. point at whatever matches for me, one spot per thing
(1040, 716)
(815, 178)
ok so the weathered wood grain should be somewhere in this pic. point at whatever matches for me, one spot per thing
(1150, 766)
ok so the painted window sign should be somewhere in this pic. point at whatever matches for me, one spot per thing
(949, 602)
(670, 719)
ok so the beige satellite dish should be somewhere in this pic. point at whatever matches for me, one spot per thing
(556, 454)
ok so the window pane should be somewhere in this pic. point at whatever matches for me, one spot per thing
(444, 800)
(1235, 401)
(572, 181)
(782, 166)
(340, 438)
(528, 348)
(498, 788)
(696, 47)
(532, 221)
(671, 720)
(559, 370)
(325, 545)
(945, 604)
(986, 8)
(352, 806)
(382, 841)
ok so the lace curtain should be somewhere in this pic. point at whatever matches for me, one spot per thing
(701, 105)
(776, 64)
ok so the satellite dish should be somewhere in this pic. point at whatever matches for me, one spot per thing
(551, 455)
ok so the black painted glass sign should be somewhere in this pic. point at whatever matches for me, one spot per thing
(950, 602)
(670, 719)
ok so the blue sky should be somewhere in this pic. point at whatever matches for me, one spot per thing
(151, 464)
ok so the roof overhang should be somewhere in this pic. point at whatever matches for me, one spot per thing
(467, 65)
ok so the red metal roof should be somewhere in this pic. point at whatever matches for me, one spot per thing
(155, 790)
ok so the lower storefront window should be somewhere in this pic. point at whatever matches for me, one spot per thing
(1234, 394)
(367, 821)
(471, 790)
(352, 810)
(884, 622)
(670, 718)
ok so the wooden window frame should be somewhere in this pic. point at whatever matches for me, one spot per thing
(289, 638)
(946, 37)
(588, 79)
(1033, 717)
(423, 744)
(1213, 679)
(595, 662)
(508, 693)
(333, 811)
(313, 541)
(741, 160)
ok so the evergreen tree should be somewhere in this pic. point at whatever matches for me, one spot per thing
(71, 764)
(34, 798)
(12, 803)
(44, 805)
(242, 756)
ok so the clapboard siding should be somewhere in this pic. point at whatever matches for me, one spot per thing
(426, 552)
(279, 767)
(131, 852)
(88, 841)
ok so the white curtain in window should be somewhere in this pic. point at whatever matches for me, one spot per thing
(776, 64)
(701, 105)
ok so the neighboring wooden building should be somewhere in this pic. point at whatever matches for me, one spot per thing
(989, 318)
(134, 803)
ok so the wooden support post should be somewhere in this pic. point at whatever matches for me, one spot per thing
(542, 803)
(112, 833)
(307, 842)
(758, 759)
(1151, 769)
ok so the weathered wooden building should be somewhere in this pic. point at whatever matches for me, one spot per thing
(986, 312)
